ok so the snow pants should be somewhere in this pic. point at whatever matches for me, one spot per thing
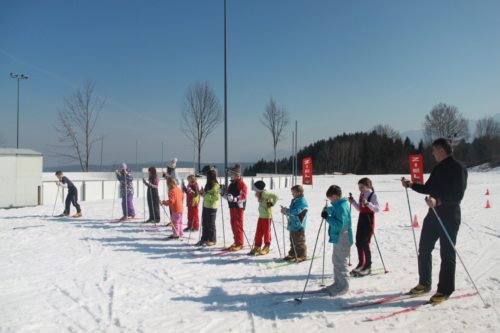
(263, 231)
(153, 204)
(431, 232)
(340, 259)
(208, 217)
(236, 217)
(193, 218)
(364, 233)
(298, 244)
(71, 198)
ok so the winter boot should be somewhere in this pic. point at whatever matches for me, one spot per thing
(264, 251)
(438, 298)
(367, 270)
(419, 289)
(63, 215)
(254, 251)
(356, 270)
(77, 215)
(234, 248)
(300, 259)
(289, 258)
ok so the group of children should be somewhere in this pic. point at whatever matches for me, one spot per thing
(337, 215)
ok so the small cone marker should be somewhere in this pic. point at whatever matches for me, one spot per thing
(487, 204)
(415, 222)
(487, 192)
(386, 209)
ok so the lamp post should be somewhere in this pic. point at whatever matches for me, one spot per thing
(19, 77)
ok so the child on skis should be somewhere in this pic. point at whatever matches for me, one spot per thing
(152, 195)
(192, 191)
(236, 197)
(266, 201)
(175, 202)
(211, 197)
(367, 207)
(338, 216)
(125, 178)
(71, 197)
(297, 221)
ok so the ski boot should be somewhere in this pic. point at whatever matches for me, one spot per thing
(438, 298)
(419, 289)
(77, 215)
(254, 251)
(264, 251)
(289, 258)
(234, 248)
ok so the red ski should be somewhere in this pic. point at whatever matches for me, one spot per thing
(415, 307)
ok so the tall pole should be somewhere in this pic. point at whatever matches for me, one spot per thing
(102, 148)
(18, 77)
(225, 92)
(293, 156)
(162, 154)
(296, 152)
(136, 153)
(17, 141)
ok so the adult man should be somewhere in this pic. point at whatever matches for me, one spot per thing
(445, 187)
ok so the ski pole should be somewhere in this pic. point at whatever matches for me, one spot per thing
(283, 226)
(114, 197)
(292, 242)
(223, 229)
(171, 222)
(412, 229)
(144, 199)
(276, 235)
(458, 255)
(310, 266)
(350, 214)
(55, 202)
(378, 248)
(324, 255)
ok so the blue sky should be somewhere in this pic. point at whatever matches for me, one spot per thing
(336, 66)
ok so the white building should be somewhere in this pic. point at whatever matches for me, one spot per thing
(20, 177)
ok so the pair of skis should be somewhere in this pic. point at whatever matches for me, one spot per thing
(396, 298)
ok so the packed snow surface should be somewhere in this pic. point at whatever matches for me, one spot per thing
(90, 275)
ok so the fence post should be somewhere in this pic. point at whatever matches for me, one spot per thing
(102, 189)
(83, 191)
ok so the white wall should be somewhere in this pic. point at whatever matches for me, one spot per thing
(94, 190)
(20, 178)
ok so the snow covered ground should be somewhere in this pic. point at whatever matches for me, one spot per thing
(82, 275)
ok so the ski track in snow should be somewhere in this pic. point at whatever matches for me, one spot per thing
(89, 275)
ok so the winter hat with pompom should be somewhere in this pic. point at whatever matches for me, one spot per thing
(172, 163)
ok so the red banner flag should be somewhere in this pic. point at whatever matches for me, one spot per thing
(417, 168)
(307, 171)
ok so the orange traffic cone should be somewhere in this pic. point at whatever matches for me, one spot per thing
(386, 209)
(415, 222)
(487, 192)
(487, 204)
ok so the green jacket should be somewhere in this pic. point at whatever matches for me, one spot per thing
(265, 211)
(211, 197)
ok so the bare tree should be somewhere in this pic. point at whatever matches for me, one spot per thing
(201, 114)
(76, 123)
(275, 119)
(488, 127)
(444, 121)
(386, 130)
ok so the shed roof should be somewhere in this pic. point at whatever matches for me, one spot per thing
(18, 152)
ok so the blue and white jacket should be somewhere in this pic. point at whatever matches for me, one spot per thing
(339, 220)
(297, 214)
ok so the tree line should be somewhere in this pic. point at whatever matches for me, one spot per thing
(382, 151)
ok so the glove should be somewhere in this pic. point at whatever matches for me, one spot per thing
(324, 214)
(230, 198)
(284, 210)
(164, 203)
(270, 204)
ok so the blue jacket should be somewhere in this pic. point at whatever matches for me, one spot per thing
(297, 207)
(339, 219)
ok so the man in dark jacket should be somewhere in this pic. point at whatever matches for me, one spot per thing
(445, 187)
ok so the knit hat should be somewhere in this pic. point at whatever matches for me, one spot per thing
(172, 163)
(236, 169)
(124, 166)
(259, 186)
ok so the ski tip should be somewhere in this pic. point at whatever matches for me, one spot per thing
(298, 300)
(385, 272)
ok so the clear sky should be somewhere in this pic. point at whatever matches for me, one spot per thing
(334, 65)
